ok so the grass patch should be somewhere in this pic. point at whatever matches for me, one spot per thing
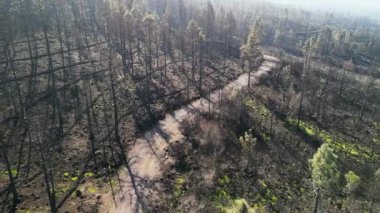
(305, 127)
(238, 206)
(4, 173)
(224, 181)
(222, 196)
(376, 141)
(114, 183)
(88, 174)
(261, 109)
(376, 125)
(67, 176)
(179, 185)
(26, 211)
(62, 188)
(269, 197)
(226, 203)
(225, 200)
(92, 190)
(355, 151)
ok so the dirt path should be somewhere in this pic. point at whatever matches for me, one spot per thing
(148, 159)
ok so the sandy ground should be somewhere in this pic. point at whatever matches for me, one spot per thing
(148, 157)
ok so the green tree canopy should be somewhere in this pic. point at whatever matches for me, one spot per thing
(353, 181)
(324, 169)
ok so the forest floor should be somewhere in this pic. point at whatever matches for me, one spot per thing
(150, 157)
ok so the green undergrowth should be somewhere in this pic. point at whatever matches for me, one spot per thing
(227, 203)
(357, 152)
(269, 197)
(222, 195)
(376, 126)
(376, 138)
(179, 186)
(67, 176)
(376, 141)
(34, 210)
(179, 189)
(62, 188)
(238, 206)
(260, 108)
(71, 177)
(4, 173)
(260, 111)
(92, 190)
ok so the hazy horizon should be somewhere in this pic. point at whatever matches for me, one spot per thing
(368, 8)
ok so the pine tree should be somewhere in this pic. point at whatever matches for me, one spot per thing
(250, 51)
(324, 172)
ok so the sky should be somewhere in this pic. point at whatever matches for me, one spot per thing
(355, 7)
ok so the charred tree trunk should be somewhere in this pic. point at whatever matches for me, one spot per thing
(12, 184)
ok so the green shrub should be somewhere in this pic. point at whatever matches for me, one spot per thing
(352, 180)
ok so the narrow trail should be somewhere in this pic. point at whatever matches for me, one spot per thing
(148, 157)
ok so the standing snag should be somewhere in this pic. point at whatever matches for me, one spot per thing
(195, 38)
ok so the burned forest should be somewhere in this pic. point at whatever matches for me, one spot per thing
(189, 106)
